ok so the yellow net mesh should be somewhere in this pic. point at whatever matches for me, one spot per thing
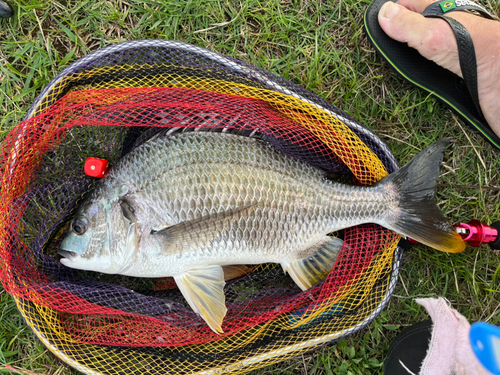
(102, 106)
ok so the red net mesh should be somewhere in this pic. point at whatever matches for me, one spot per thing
(105, 108)
(97, 310)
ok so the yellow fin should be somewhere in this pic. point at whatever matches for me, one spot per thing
(203, 289)
(310, 270)
(417, 214)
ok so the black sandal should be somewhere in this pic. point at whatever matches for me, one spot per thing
(460, 95)
(408, 350)
(5, 10)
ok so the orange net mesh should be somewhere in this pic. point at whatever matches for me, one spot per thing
(106, 107)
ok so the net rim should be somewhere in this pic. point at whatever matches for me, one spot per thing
(330, 338)
(234, 65)
(231, 63)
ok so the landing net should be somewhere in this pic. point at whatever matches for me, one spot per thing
(105, 105)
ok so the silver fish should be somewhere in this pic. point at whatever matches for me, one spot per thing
(184, 205)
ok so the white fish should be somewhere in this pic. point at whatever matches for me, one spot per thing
(187, 204)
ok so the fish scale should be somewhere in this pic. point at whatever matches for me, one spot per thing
(265, 174)
(186, 204)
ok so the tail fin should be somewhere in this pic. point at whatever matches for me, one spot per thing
(420, 218)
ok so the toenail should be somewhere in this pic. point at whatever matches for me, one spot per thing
(389, 10)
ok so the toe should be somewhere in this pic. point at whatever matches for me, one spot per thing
(400, 23)
(431, 37)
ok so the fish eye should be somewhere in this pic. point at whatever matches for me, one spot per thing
(79, 226)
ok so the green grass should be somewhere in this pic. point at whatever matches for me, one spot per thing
(321, 46)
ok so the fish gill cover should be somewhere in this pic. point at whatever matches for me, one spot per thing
(108, 103)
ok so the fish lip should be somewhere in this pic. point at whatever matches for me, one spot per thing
(66, 254)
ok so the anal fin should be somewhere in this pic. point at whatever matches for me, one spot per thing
(203, 289)
(308, 271)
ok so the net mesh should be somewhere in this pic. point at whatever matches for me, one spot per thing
(111, 101)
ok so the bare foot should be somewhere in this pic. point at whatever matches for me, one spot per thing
(434, 40)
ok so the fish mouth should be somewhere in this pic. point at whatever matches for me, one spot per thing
(66, 254)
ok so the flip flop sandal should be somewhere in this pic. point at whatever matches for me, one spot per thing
(407, 352)
(5, 10)
(460, 95)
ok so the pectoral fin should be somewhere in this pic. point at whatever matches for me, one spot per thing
(195, 234)
(316, 266)
(203, 289)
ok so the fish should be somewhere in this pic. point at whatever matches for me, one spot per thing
(185, 205)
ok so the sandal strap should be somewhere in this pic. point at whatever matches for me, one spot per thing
(466, 51)
(443, 7)
(466, 57)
